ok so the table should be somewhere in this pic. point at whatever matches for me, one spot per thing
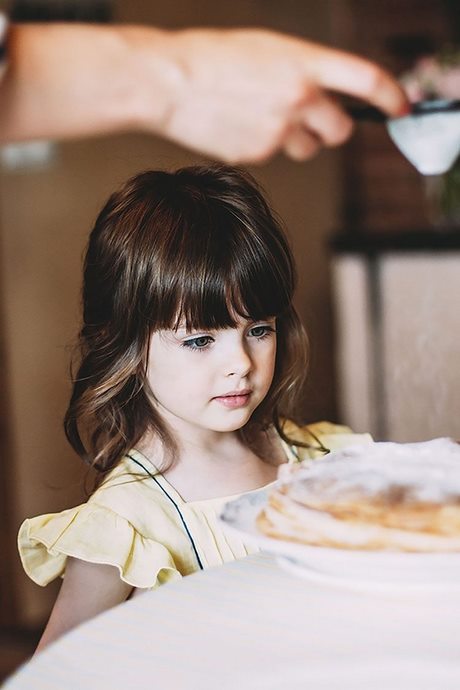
(251, 625)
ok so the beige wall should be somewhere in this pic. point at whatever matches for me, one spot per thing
(45, 218)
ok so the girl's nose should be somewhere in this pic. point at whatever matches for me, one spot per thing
(238, 363)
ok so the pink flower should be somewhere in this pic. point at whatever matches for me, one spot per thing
(433, 77)
(449, 82)
(413, 89)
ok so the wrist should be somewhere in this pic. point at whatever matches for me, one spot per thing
(156, 77)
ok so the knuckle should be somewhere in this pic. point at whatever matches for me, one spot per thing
(303, 94)
(342, 132)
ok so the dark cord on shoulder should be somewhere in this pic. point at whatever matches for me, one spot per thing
(320, 447)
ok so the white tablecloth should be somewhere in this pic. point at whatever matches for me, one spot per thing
(251, 625)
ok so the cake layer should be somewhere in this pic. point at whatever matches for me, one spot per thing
(377, 496)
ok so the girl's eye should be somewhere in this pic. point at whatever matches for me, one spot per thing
(261, 331)
(199, 343)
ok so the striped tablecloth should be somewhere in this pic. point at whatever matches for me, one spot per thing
(250, 624)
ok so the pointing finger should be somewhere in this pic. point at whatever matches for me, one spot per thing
(346, 73)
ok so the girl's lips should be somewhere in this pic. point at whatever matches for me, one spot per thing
(234, 399)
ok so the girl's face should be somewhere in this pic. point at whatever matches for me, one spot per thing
(212, 380)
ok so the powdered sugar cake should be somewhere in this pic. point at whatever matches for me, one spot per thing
(378, 496)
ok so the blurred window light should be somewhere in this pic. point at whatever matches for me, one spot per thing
(29, 155)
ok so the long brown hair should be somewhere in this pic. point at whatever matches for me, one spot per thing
(199, 245)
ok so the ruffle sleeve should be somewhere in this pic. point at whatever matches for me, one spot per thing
(96, 534)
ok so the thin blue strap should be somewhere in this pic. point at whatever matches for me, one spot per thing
(175, 506)
(294, 452)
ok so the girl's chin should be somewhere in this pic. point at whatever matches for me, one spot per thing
(231, 424)
(228, 428)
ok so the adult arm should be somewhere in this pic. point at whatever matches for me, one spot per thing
(87, 590)
(239, 95)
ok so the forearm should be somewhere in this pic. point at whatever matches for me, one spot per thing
(67, 81)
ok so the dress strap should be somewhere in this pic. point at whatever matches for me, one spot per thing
(182, 519)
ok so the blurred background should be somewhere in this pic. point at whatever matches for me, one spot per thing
(378, 265)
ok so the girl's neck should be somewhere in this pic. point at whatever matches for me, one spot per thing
(201, 447)
(220, 468)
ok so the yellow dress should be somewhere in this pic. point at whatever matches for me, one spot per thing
(138, 523)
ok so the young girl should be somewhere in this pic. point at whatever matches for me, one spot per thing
(192, 355)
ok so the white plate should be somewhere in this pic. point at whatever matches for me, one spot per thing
(345, 566)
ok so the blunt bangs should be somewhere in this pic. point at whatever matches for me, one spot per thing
(218, 268)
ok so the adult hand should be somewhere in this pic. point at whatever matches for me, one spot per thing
(242, 95)
(239, 95)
